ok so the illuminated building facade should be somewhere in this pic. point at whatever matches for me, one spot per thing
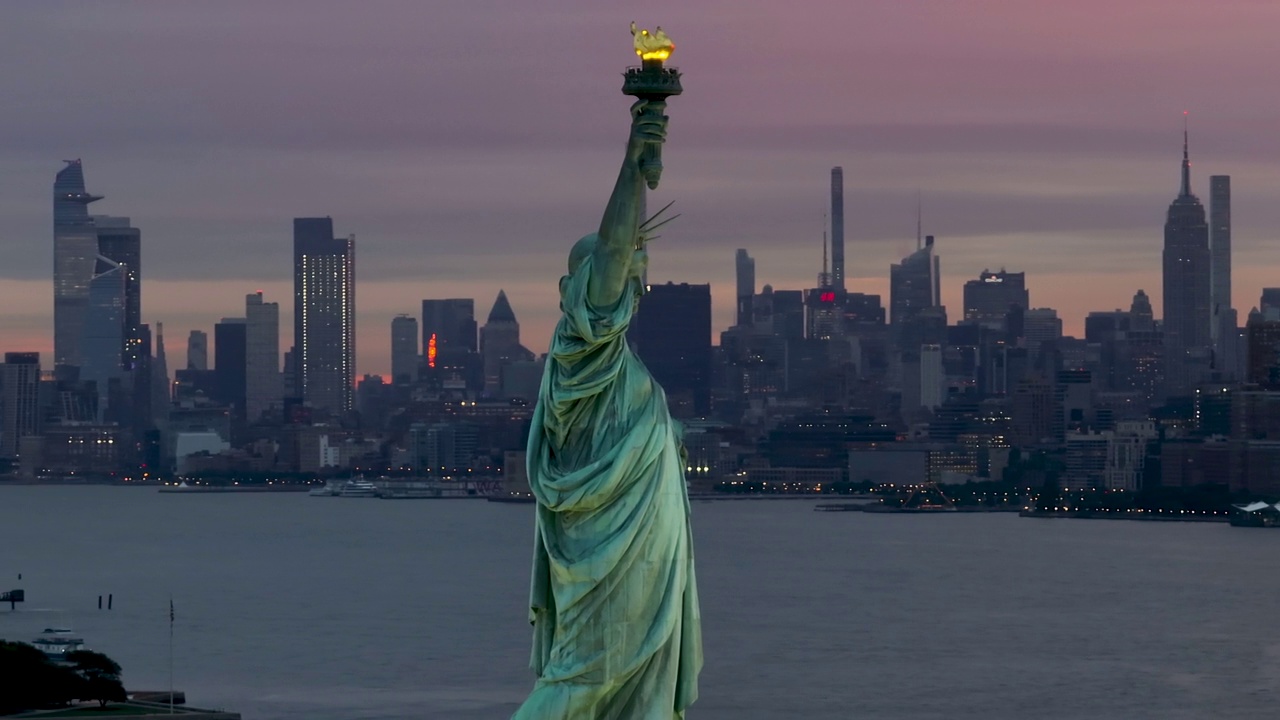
(324, 316)
(102, 340)
(121, 243)
(75, 256)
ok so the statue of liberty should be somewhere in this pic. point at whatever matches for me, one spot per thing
(613, 601)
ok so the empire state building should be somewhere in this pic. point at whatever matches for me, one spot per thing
(1187, 301)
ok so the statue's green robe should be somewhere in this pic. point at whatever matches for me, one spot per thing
(613, 600)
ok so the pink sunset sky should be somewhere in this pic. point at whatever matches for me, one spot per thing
(468, 143)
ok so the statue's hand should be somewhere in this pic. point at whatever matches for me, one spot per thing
(648, 126)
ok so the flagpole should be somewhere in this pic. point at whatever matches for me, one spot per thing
(170, 654)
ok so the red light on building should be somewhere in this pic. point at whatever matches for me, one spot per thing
(431, 351)
(827, 297)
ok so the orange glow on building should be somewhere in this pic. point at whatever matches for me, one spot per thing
(431, 351)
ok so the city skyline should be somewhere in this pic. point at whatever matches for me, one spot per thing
(1065, 188)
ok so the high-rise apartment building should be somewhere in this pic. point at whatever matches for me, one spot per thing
(120, 242)
(75, 256)
(262, 389)
(837, 228)
(914, 284)
(745, 272)
(324, 314)
(1187, 277)
(21, 384)
(404, 350)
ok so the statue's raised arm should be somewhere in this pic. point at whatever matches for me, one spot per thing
(619, 234)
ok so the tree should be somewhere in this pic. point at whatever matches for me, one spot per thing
(101, 676)
(31, 681)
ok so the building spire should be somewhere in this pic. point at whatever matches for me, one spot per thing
(1186, 159)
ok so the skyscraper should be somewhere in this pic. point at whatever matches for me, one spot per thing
(75, 256)
(198, 350)
(914, 284)
(21, 384)
(1228, 358)
(837, 228)
(230, 340)
(121, 243)
(404, 350)
(745, 267)
(262, 389)
(1187, 287)
(671, 331)
(452, 324)
(500, 343)
(1220, 239)
(102, 340)
(324, 314)
(988, 299)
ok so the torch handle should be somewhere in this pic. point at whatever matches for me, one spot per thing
(651, 157)
(651, 165)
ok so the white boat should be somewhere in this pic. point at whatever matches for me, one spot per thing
(57, 642)
(332, 488)
(358, 489)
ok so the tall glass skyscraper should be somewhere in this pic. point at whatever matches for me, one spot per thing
(914, 284)
(1187, 287)
(102, 340)
(121, 243)
(324, 314)
(75, 256)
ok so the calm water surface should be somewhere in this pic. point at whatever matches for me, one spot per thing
(349, 609)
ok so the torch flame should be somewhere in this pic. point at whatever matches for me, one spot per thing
(651, 46)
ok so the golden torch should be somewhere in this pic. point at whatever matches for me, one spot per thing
(654, 82)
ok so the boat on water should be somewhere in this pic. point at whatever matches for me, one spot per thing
(523, 498)
(331, 488)
(57, 642)
(358, 489)
(430, 492)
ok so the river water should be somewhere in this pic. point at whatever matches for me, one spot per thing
(290, 606)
